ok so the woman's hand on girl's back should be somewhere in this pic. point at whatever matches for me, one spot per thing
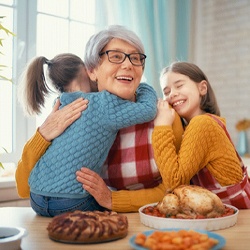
(96, 186)
(59, 119)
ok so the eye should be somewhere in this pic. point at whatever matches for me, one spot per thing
(135, 57)
(116, 56)
(179, 85)
(166, 93)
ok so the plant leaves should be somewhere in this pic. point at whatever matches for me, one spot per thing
(1, 165)
(5, 78)
(8, 32)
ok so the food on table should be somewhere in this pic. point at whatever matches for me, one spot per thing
(190, 202)
(88, 227)
(154, 211)
(176, 240)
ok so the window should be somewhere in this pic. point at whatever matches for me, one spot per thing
(63, 28)
(52, 28)
(6, 87)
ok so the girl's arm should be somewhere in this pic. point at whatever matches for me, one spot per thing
(166, 115)
(204, 144)
(123, 113)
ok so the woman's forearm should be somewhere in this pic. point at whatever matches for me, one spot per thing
(32, 152)
(125, 201)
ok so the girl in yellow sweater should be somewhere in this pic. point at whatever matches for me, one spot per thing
(207, 156)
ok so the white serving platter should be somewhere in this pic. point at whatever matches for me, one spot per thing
(210, 224)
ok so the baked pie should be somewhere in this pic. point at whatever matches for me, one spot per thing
(88, 227)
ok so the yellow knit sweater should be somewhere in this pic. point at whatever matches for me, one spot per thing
(204, 144)
(122, 201)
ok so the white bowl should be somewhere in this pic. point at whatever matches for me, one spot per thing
(11, 237)
(203, 224)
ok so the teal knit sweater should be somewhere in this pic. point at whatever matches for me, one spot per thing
(88, 140)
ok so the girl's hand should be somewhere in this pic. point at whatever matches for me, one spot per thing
(96, 186)
(165, 114)
(59, 120)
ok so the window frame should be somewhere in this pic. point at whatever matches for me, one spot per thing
(23, 126)
(24, 49)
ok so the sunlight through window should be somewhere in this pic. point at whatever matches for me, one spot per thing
(63, 28)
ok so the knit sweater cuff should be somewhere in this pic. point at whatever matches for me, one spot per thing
(163, 127)
(121, 202)
(38, 144)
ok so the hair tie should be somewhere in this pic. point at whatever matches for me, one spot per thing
(49, 63)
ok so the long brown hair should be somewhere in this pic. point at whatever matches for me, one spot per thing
(62, 69)
(208, 101)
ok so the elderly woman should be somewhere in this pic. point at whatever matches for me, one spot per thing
(112, 61)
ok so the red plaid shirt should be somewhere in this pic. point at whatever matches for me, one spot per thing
(130, 164)
(237, 195)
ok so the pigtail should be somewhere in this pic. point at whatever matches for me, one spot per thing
(34, 87)
(62, 70)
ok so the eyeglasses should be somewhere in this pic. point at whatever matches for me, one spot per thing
(114, 56)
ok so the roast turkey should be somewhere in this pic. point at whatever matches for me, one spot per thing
(190, 201)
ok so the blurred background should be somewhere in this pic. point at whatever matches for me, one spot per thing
(213, 34)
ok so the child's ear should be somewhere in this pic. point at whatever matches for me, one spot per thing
(203, 87)
(92, 75)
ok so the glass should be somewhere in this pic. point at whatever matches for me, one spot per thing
(57, 29)
(53, 8)
(114, 56)
(242, 146)
(83, 11)
(52, 35)
(6, 2)
(6, 87)
(60, 34)
(79, 33)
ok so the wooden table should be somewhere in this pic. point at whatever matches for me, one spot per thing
(237, 237)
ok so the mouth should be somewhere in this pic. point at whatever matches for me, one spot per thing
(175, 104)
(124, 78)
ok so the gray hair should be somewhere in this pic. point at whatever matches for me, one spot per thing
(99, 40)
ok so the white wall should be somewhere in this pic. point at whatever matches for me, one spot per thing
(221, 47)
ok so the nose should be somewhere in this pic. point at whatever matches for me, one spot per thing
(126, 63)
(173, 93)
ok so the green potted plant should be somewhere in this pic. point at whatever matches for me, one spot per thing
(3, 31)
